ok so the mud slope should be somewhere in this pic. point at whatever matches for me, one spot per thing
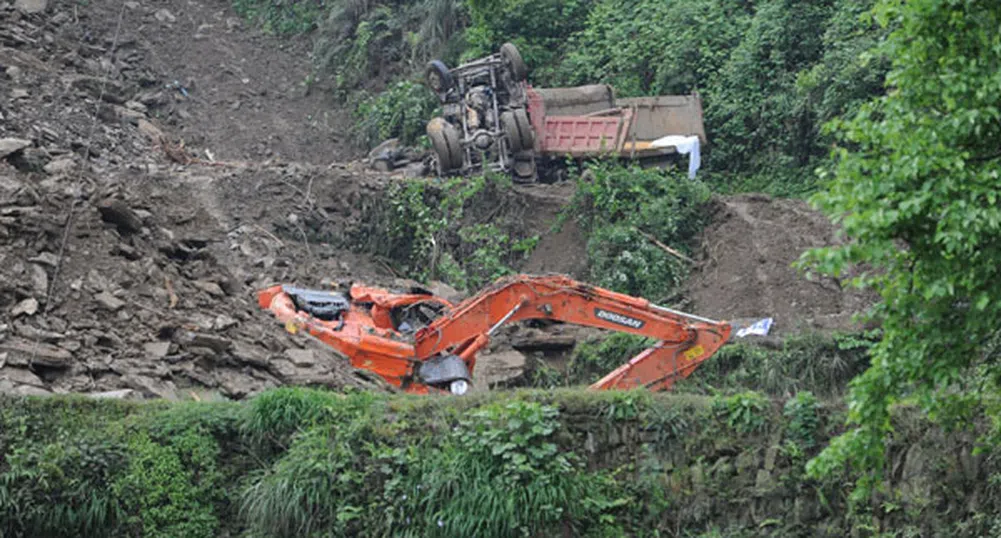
(746, 267)
(225, 89)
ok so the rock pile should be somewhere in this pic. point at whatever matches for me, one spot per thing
(102, 288)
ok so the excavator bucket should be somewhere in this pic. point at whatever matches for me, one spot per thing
(658, 367)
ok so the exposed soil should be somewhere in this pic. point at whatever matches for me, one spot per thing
(746, 267)
(247, 96)
(563, 250)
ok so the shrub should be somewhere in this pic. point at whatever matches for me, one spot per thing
(500, 473)
(803, 420)
(167, 489)
(401, 111)
(743, 412)
(592, 359)
(620, 208)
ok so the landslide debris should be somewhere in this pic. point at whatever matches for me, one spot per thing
(151, 287)
(123, 273)
(745, 271)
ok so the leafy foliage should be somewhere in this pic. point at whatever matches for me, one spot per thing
(801, 412)
(538, 28)
(592, 359)
(743, 412)
(401, 111)
(619, 207)
(359, 41)
(165, 487)
(500, 473)
(61, 488)
(449, 231)
(915, 186)
(650, 47)
(282, 16)
(588, 463)
(820, 364)
(279, 414)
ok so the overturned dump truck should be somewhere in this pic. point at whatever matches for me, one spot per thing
(493, 120)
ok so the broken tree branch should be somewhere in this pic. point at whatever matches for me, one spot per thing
(170, 291)
(664, 247)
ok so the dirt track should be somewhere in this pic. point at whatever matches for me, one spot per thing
(135, 268)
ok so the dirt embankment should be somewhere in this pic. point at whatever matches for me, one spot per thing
(746, 268)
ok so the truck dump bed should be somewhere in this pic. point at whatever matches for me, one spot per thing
(589, 121)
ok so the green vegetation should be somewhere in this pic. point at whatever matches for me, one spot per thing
(593, 359)
(821, 364)
(366, 45)
(915, 186)
(297, 462)
(401, 111)
(621, 209)
(463, 231)
(282, 17)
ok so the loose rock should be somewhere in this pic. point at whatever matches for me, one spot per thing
(157, 350)
(9, 146)
(59, 166)
(210, 288)
(39, 280)
(23, 352)
(123, 394)
(21, 376)
(302, 358)
(109, 301)
(27, 307)
(163, 15)
(216, 343)
(500, 367)
(31, 7)
(121, 215)
(46, 258)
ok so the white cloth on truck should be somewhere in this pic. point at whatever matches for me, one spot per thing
(684, 145)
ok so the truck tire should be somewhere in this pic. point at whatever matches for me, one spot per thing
(518, 129)
(446, 143)
(438, 77)
(512, 60)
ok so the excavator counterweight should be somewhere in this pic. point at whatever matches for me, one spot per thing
(423, 343)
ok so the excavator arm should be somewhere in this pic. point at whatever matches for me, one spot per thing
(683, 340)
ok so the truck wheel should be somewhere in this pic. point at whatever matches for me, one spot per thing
(438, 77)
(518, 129)
(512, 60)
(445, 141)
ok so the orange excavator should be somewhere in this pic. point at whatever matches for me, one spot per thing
(425, 344)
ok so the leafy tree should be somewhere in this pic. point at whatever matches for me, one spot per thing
(653, 47)
(916, 187)
(540, 29)
(759, 123)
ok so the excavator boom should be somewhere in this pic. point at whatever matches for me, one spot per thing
(683, 340)
(366, 327)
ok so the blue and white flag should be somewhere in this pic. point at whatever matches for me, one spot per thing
(759, 328)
